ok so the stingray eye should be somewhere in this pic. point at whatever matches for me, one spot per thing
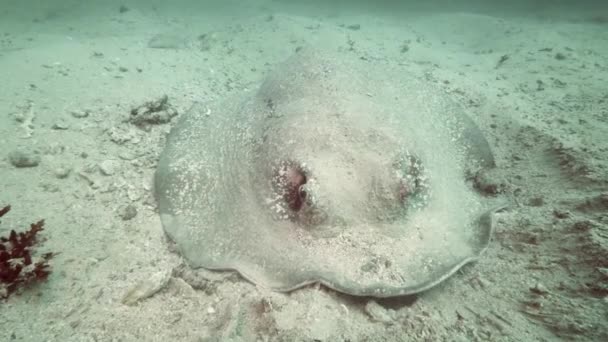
(413, 182)
(290, 183)
(294, 191)
(403, 191)
(302, 192)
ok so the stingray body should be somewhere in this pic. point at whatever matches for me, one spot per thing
(328, 173)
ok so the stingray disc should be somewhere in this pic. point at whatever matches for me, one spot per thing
(328, 173)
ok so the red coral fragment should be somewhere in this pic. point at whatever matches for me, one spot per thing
(17, 267)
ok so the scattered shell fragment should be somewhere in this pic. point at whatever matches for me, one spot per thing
(147, 287)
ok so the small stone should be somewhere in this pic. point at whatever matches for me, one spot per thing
(147, 287)
(23, 159)
(539, 289)
(174, 317)
(483, 282)
(128, 156)
(536, 202)
(62, 172)
(134, 194)
(80, 114)
(120, 136)
(561, 214)
(154, 112)
(128, 212)
(60, 125)
(19, 117)
(560, 56)
(210, 310)
(378, 313)
(181, 287)
(108, 167)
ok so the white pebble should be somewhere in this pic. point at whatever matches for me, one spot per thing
(108, 167)
(147, 287)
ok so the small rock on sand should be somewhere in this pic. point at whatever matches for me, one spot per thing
(108, 167)
(147, 287)
(128, 212)
(79, 114)
(21, 159)
(378, 313)
(62, 172)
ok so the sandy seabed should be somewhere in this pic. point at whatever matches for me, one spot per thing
(536, 85)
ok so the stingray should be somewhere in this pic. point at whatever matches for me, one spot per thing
(342, 172)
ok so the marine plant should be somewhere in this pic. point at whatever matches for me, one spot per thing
(19, 269)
